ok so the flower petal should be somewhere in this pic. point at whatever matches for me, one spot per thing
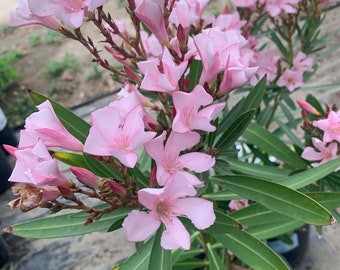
(175, 236)
(139, 226)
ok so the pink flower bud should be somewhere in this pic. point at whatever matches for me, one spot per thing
(153, 177)
(307, 107)
(132, 75)
(66, 192)
(116, 187)
(86, 177)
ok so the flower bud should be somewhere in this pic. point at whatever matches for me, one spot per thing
(86, 177)
(132, 75)
(153, 179)
(66, 192)
(307, 107)
(116, 187)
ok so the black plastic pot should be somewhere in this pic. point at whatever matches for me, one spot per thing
(4, 252)
(293, 253)
(5, 172)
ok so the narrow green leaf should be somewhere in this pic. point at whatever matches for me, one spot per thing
(257, 135)
(262, 171)
(278, 198)
(310, 176)
(101, 169)
(141, 179)
(190, 264)
(223, 224)
(330, 200)
(58, 226)
(234, 131)
(140, 259)
(230, 116)
(195, 73)
(252, 251)
(70, 158)
(177, 254)
(160, 258)
(78, 127)
(254, 99)
(294, 139)
(215, 262)
(224, 195)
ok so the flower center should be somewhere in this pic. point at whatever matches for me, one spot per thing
(335, 129)
(164, 210)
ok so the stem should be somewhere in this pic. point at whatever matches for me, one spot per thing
(275, 106)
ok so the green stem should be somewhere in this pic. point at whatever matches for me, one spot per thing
(275, 106)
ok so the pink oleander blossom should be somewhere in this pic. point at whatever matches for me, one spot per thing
(330, 127)
(214, 48)
(302, 63)
(71, 12)
(45, 125)
(245, 3)
(151, 45)
(322, 152)
(187, 12)
(229, 21)
(162, 74)
(235, 205)
(165, 205)
(113, 135)
(188, 116)
(23, 16)
(36, 166)
(151, 13)
(275, 7)
(169, 161)
(291, 79)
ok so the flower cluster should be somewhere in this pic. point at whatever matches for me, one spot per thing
(152, 150)
(324, 130)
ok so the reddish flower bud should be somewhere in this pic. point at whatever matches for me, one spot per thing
(86, 177)
(153, 178)
(116, 187)
(66, 192)
(307, 107)
(132, 75)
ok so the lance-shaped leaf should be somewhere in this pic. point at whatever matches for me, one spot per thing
(78, 127)
(65, 225)
(223, 224)
(101, 169)
(215, 261)
(278, 198)
(159, 257)
(252, 251)
(140, 259)
(269, 143)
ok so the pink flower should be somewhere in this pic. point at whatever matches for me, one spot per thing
(23, 16)
(188, 116)
(32, 197)
(330, 127)
(169, 162)
(187, 12)
(151, 45)
(45, 125)
(165, 205)
(237, 74)
(229, 21)
(113, 135)
(245, 3)
(302, 63)
(323, 154)
(214, 48)
(235, 205)
(162, 74)
(36, 166)
(71, 12)
(291, 79)
(151, 13)
(275, 7)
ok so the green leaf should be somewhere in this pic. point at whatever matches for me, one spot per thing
(254, 99)
(101, 169)
(278, 198)
(330, 200)
(251, 251)
(71, 158)
(215, 262)
(224, 195)
(73, 123)
(196, 68)
(262, 171)
(141, 179)
(159, 257)
(234, 131)
(223, 224)
(310, 176)
(58, 226)
(140, 259)
(294, 139)
(257, 135)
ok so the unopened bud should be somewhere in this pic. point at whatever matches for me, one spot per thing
(86, 177)
(116, 187)
(66, 192)
(307, 107)
(132, 75)
(153, 178)
(182, 39)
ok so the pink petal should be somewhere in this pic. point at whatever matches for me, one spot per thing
(310, 154)
(177, 186)
(148, 196)
(197, 162)
(139, 226)
(175, 236)
(198, 210)
(178, 142)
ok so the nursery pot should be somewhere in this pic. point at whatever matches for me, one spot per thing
(3, 251)
(7, 135)
(295, 252)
